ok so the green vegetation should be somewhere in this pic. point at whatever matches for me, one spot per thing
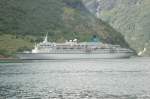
(130, 17)
(23, 22)
(5, 53)
(10, 44)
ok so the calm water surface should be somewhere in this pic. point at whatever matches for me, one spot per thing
(76, 79)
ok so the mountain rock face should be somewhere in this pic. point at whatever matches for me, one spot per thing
(130, 17)
(62, 19)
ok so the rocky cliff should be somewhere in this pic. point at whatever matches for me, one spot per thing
(130, 17)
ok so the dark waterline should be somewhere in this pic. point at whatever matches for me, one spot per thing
(76, 79)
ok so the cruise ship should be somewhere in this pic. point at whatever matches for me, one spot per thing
(73, 49)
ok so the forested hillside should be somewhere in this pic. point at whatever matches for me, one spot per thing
(28, 20)
(130, 17)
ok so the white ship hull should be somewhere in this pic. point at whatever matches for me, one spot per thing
(54, 56)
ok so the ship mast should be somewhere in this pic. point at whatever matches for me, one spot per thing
(45, 39)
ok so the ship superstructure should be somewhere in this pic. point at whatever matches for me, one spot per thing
(73, 49)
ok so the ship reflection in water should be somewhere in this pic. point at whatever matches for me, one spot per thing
(76, 79)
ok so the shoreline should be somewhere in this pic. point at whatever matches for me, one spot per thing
(8, 58)
(4, 59)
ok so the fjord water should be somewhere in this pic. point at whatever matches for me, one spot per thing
(76, 79)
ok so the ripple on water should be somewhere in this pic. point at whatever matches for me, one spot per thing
(92, 79)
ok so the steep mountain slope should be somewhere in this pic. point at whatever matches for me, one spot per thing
(130, 17)
(63, 19)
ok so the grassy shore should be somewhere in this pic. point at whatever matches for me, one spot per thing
(10, 44)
